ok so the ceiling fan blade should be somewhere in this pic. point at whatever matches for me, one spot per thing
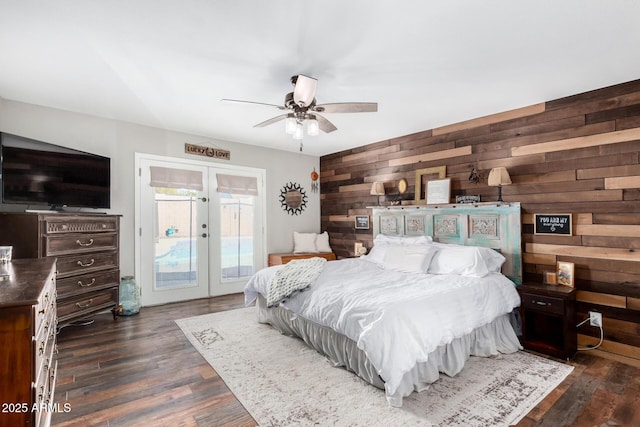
(279, 107)
(324, 124)
(271, 121)
(347, 107)
(305, 90)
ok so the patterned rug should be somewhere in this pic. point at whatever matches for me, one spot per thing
(282, 382)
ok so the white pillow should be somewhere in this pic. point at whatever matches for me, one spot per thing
(493, 259)
(465, 260)
(404, 240)
(377, 254)
(304, 243)
(322, 242)
(409, 259)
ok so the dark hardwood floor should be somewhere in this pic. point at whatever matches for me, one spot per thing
(141, 370)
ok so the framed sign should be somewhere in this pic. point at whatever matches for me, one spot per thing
(556, 224)
(362, 222)
(438, 191)
(468, 199)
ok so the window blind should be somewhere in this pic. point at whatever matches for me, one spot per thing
(232, 184)
(176, 178)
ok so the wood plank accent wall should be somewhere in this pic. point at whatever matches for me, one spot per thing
(578, 155)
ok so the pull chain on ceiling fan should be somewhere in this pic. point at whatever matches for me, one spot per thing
(302, 109)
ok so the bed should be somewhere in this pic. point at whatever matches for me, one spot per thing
(413, 308)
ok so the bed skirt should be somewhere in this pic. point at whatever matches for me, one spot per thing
(488, 340)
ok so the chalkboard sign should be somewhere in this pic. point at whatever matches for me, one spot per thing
(556, 224)
(362, 222)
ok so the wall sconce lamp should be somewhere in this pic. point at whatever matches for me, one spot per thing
(377, 189)
(497, 178)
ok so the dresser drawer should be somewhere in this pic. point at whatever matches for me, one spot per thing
(87, 263)
(62, 244)
(543, 303)
(86, 304)
(45, 310)
(76, 285)
(45, 357)
(65, 224)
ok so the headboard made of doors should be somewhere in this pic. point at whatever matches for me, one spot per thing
(493, 225)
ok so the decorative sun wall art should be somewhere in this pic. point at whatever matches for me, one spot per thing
(293, 198)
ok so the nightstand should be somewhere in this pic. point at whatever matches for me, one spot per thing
(549, 319)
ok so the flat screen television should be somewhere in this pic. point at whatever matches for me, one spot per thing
(39, 173)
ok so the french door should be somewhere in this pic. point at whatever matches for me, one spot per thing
(200, 229)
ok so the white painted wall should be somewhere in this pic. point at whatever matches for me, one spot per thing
(121, 140)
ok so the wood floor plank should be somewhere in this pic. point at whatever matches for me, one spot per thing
(142, 371)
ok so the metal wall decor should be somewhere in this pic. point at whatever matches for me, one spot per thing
(293, 198)
(315, 186)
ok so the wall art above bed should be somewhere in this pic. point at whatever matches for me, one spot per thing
(492, 225)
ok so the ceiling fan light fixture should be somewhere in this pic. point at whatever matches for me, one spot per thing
(290, 124)
(313, 128)
(299, 132)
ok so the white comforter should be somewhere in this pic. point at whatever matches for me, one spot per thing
(396, 318)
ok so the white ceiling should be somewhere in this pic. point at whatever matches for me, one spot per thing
(168, 63)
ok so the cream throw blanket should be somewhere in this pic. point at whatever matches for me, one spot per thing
(296, 275)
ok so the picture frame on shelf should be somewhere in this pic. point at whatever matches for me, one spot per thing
(438, 191)
(565, 273)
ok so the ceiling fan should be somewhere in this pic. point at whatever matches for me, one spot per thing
(301, 108)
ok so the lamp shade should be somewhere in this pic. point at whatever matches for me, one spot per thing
(499, 176)
(299, 132)
(377, 188)
(313, 128)
(290, 124)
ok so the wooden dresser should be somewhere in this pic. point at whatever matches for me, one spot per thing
(277, 259)
(87, 249)
(27, 342)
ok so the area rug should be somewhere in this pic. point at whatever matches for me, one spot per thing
(282, 382)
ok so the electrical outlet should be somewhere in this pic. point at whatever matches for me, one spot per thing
(595, 318)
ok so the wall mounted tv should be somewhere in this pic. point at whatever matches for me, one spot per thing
(38, 173)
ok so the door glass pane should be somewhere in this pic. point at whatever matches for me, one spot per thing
(176, 238)
(236, 232)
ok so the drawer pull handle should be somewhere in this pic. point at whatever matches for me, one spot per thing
(81, 264)
(86, 305)
(85, 244)
(541, 303)
(88, 284)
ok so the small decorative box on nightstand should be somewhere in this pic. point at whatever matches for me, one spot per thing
(549, 319)
(277, 259)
